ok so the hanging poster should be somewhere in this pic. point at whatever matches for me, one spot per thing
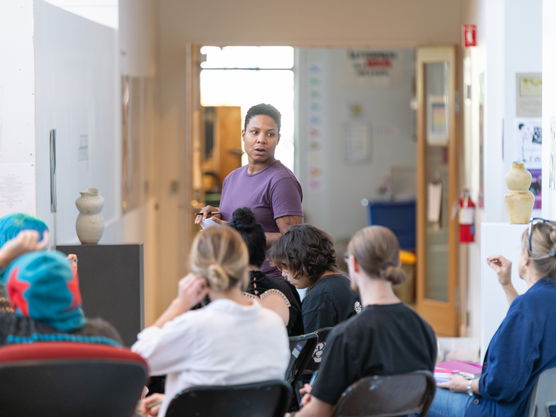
(528, 95)
(17, 188)
(529, 142)
(374, 66)
(437, 120)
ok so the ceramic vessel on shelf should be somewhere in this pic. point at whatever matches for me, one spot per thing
(519, 200)
(90, 224)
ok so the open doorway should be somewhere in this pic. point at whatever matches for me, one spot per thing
(356, 138)
(232, 79)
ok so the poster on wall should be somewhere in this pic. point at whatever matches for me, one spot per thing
(371, 66)
(17, 188)
(437, 120)
(357, 142)
(528, 135)
(528, 95)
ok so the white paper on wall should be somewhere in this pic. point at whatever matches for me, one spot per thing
(435, 202)
(17, 188)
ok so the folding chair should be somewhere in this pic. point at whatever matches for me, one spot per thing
(385, 396)
(260, 399)
(302, 348)
(543, 396)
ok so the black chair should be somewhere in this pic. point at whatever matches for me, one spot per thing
(302, 348)
(70, 379)
(318, 352)
(312, 364)
(385, 396)
(260, 399)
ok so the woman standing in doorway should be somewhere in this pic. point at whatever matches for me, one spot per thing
(264, 185)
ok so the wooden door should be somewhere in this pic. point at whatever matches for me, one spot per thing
(437, 188)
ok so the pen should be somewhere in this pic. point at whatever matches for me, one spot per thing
(210, 213)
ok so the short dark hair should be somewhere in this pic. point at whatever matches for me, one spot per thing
(304, 250)
(252, 233)
(266, 110)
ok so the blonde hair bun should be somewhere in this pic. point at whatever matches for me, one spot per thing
(220, 255)
(217, 277)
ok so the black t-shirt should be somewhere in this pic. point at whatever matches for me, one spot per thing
(329, 302)
(260, 283)
(381, 340)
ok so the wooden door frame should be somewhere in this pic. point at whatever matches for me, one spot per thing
(444, 316)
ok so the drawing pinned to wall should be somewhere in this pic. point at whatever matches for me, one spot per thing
(529, 142)
(315, 132)
(357, 142)
(528, 95)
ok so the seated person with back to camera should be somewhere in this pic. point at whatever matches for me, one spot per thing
(386, 338)
(232, 340)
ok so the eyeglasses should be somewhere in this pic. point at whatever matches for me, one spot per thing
(532, 223)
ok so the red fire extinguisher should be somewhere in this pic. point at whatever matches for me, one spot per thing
(466, 218)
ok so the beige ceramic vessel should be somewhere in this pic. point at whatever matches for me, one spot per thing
(90, 223)
(519, 200)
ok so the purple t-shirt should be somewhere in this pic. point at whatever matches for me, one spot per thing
(271, 193)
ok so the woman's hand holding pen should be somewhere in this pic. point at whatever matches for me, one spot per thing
(208, 212)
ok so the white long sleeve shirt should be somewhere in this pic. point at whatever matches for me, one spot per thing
(221, 344)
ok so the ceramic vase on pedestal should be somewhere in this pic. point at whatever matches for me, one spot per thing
(90, 224)
(519, 200)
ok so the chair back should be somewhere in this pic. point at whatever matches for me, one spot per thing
(385, 396)
(70, 379)
(301, 348)
(543, 396)
(260, 399)
(318, 352)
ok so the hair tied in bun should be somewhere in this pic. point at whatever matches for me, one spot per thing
(243, 217)
(386, 265)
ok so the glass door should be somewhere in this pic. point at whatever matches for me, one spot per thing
(437, 183)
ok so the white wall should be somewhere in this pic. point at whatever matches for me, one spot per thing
(549, 106)
(393, 23)
(335, 205)
(77, 93)
(509, 41)
(104, 12)
(17, 107)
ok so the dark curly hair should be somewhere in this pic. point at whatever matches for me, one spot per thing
(252, 233)
(266, 110)
(304, 250)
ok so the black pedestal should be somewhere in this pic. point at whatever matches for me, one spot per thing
(111, 281)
